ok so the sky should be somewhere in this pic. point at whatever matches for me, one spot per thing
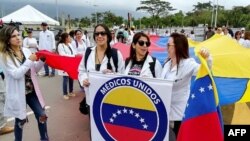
(121, 7)
(184, 5)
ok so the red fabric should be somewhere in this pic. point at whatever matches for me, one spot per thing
(201, 128)
(123, 48)
(121, 133)
(68, 64)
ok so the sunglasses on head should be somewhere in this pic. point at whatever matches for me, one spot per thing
(102, 33)
(142, 43)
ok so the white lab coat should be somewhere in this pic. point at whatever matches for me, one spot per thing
(82, 75)
(47, 41)
(15, 102)
(64, 50)
(145, 71)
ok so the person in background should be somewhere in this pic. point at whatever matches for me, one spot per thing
(25, 33)
(72, 35)
(167, 34)
(47, 42)
(238, 38)
(78, 43)
(30, 42)
(58, 36)
(209, 33)
(64, 48)
(180, 68)
(246, 43)
(113, 39)
(192, 35)
(226, 32)
(242, 32)
(139, 61)
(4, 128)
(20, 66)
(85, 38)
(100, 58)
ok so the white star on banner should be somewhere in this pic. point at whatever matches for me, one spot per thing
(119, 112)
(137, 115)
(131, 112)
(114, 115)
(141, 120)
(125, 110)
(111, 120)
(145, 126)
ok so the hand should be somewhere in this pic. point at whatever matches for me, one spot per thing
(107, 71)
(204, 53)
(33, 57)
(86, 83)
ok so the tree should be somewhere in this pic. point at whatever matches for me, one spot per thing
(155, 8)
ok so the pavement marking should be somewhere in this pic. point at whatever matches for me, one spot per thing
(28, 113)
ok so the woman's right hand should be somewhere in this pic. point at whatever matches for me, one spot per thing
(86, 83)
(33, 57)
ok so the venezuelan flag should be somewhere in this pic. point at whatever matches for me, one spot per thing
(128, 115)
(202, 119)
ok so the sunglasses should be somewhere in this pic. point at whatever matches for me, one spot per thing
(168, 45)
(102, 33)
(142, 43)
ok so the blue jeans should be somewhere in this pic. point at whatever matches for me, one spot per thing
(66, 80)
(46, 68)
(40, 115)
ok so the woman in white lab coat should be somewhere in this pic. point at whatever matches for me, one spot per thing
(140, 63)
(180, 68)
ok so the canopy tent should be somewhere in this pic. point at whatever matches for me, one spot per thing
(28, 15)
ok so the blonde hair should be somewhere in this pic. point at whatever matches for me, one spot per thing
(5, 46)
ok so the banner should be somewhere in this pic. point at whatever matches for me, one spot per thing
(128, 108)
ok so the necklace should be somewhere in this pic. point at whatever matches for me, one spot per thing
(97, 58)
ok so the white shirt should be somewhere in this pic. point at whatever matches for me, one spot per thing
(47, 40)
(31, 44)
(81, 48)
(246, 43)
(82, 75)
(86, 40)
(15, 102)
(145, 71)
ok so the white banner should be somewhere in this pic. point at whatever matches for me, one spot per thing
(126, 108)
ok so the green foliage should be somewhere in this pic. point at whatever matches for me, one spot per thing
(155, 8)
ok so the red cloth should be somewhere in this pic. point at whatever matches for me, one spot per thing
(68, 64)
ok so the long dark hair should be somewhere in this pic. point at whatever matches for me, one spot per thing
(63, 38)
(137, 36)
(5, 46)
(181, 47)
(108, 51)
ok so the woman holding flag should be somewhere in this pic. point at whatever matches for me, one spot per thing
(180, 68)
(20, 66)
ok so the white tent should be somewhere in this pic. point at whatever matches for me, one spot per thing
(28, 15)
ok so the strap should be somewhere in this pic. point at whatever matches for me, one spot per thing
(114, 56)
(86, 56)
(152, 66)
(126, 62)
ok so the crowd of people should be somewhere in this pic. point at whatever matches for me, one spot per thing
(19, 65)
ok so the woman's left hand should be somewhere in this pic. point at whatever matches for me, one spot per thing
(204, 53)
(107, 71)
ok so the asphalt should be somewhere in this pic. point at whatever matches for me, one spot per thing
(65, 122)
